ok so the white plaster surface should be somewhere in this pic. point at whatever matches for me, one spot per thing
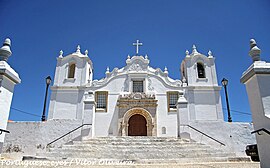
(236, 136)
(8, 79)
(256, 79)
(28, 138)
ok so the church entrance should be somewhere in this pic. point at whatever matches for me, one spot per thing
(137, 125)
(137, 122)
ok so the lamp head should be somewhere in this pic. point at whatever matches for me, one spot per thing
(224, 82)
(48, 80)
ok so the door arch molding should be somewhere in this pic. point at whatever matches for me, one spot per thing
(144, 113)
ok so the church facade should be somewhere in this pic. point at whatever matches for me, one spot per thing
(136, 100)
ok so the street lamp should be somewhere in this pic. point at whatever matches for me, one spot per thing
(225, 83)
(48, 82)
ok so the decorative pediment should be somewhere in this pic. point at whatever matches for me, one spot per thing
(138, 64)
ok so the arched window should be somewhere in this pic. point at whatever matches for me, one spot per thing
(89, 73)
(71, 70)
(201, 71)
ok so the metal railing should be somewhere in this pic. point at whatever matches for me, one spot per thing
(66, 134)
(259, 130)
(1, 131)
(204, 134)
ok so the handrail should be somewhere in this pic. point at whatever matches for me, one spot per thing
(66, 134)
(2, 130)
(259, 130)
(204, 134)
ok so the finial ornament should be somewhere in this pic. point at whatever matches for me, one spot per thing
(128, 57)
(61, 54)
(86, 52)
(254, 51)
(210, 53)
(146, 56)
(107, 70)
(187, 52)
(194, 49)
(78, 49)
(5, 51)
(165, 70)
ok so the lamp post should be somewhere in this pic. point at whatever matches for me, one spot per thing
(48, 82)
(225, 83)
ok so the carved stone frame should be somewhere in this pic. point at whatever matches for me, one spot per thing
(150, 124)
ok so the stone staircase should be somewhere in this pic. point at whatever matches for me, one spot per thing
(138, 150)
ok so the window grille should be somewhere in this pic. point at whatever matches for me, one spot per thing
(101, 100)
(137, 86)
(172, 101)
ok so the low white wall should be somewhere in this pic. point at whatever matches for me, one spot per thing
(32, 137)
(28, 138)
(236, 135)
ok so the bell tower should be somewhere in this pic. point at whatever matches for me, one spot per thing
(75, 69)
(72, 73)
(199, 73)
(198, 69)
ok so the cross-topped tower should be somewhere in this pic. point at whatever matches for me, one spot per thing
(137, 44)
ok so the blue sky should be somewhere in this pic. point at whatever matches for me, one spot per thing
(39, 29)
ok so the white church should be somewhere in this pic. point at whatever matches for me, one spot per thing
(136, 100)
(131, 113)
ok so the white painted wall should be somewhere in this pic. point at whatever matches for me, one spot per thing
(256, 79)
(8, 79)
(28, 138)
(35, 135)
(236, 135)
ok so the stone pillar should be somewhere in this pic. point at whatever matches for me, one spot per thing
(257, 81)
(182, 113)
(88, 116)
(8, 79)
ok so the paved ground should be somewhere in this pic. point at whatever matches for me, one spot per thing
(47, 164)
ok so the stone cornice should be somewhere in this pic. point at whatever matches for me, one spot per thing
(218, 88)
(76, 55)
(7, 71)
(66, 87)
(258, 67)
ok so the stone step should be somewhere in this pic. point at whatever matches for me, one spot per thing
(138, 139)
(141, 149)
(137, 145)
(152, 150)
(134, 156)
(124, 148)
(134, 139)
(137, 154)
(131, 143)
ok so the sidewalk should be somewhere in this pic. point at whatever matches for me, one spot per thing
(63, 164)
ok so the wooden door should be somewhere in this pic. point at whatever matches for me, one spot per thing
(137, 125)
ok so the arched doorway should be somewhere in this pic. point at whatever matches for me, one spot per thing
(137, 125)
(142, 118)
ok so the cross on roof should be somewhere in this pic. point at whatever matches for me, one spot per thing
(137, 44)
